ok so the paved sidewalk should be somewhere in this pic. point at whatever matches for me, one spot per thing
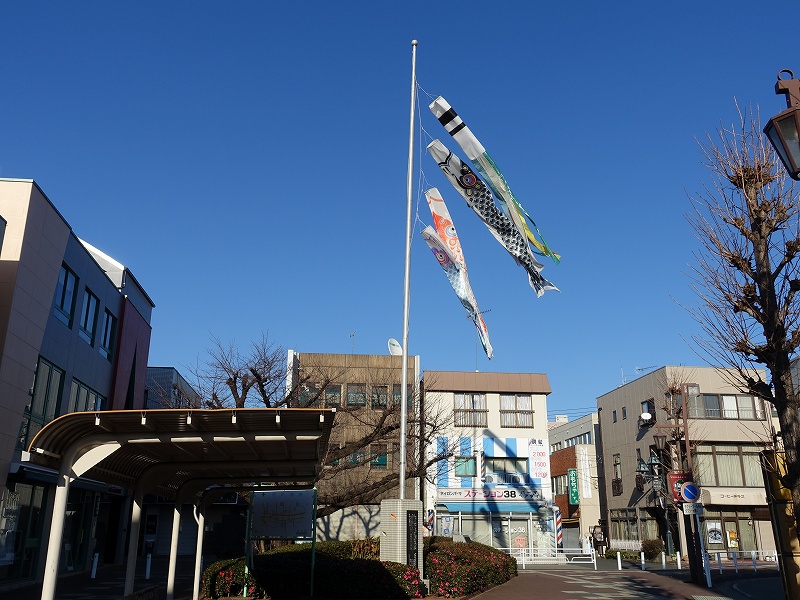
(109, 583)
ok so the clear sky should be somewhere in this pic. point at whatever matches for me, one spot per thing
(247, 161)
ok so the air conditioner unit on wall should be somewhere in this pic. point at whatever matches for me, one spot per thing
(515, 479)
(489, 479)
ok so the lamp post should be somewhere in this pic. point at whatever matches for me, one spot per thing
(783, 130)
(653, 471)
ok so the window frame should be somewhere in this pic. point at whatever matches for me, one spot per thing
(468, 414)
(108, 336)
(66, 291)
(87, 328)
(514, 413)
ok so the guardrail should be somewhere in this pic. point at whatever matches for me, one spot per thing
(747, 559)
(552, 556)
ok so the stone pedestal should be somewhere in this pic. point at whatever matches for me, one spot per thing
(401, 532)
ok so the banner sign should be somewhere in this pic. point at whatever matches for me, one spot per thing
(572, 478)
(676, 480)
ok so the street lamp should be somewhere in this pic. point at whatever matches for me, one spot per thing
(783, 130)
(653, 471)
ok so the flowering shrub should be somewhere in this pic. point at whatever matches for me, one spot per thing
(461, 568)
(227, 578)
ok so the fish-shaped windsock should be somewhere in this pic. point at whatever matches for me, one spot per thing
(443, 242)
(487, 168)
(479, 198)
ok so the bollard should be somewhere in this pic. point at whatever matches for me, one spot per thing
(94, 564)
(619, 562)
(775, 558)
(753, 556)
(736, 562)
(719, 562)
(642, 555)
(678, 559)
(663, 562)
(147, 567)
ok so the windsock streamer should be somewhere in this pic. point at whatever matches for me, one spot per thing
(487, 168)
(479, 198)
(443, 242)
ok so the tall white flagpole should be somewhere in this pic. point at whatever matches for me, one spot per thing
(407, 278)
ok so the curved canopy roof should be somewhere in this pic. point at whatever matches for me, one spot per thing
(164, 449)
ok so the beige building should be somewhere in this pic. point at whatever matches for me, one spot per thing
(366, 391)
(578, 485)
(494, 487)
(647, 426)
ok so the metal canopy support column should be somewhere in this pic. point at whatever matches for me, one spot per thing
(56, 532)
(133, 543)
(173, 547)
(200, 518)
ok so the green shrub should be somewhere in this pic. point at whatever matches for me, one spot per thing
(652, 549)
(285, 573)
(624, 554)
(461, 568)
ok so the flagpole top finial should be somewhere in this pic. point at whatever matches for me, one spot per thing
(413, 42)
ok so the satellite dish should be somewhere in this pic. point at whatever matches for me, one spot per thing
(395, 349)
(646, 416)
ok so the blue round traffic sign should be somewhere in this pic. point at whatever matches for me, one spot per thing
(690, 491)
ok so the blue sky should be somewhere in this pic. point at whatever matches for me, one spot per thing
(247, 161)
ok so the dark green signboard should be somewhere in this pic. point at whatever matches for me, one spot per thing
(572, 477)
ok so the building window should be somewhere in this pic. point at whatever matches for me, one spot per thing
(516, 410)
(555, 447)
(356, 394)
(649, 406)
(378, 456)
(357, 458)
(623, 525)
(380, 396)
(616, 481)
(726, 406)
(470, 410)
(65, 295)
(397, 394)
(108, 335)
(584, 438)
(47, 386)
(88, 323)
(624, 413)
(614, 416)
(466, 467)
(83, 398)
(506, 470)
(308, 395)
(333, 394)
(728, 465)
(560, 485)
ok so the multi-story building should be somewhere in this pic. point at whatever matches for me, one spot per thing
(366, 390)
(578, 485)
(74, 336)
(493, 484)
(677, 423)
(167, 388)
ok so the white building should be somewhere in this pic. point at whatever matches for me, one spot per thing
(493, 485)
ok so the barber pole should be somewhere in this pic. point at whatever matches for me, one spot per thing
(559, 532)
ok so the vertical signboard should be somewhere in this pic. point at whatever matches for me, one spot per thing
(412, 538)
(572, 478)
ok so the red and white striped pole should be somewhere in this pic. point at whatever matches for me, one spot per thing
(559, 532)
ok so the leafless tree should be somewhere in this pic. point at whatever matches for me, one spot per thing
(746, 278)
(361, 463)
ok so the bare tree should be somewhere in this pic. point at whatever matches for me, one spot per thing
(746, 278)
(360, 465)
(231, 378)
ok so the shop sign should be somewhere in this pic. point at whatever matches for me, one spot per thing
(506, 494)
(572, 478)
